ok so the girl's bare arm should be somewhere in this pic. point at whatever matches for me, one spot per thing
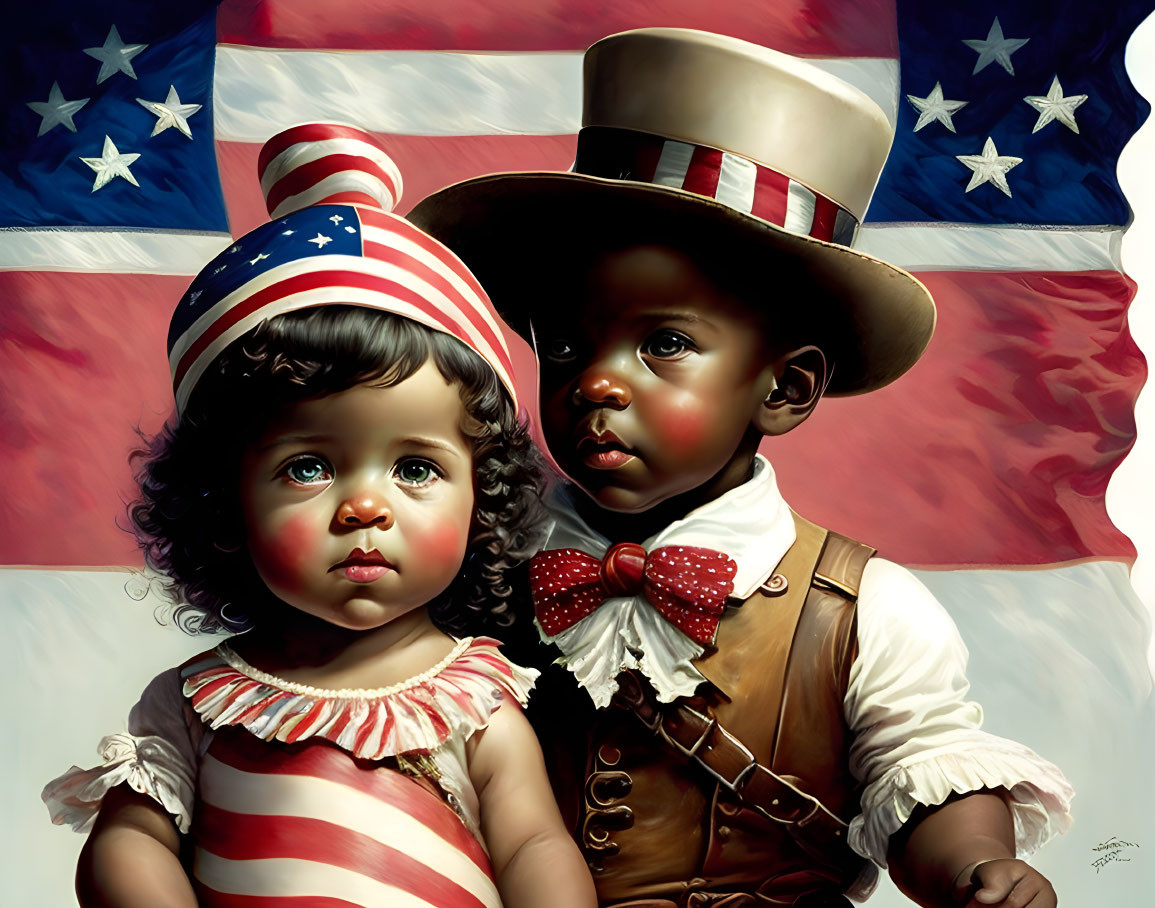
(536, 861)
(131, 858)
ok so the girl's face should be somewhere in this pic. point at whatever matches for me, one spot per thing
(357, 505)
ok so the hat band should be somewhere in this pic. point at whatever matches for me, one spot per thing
(737, 182)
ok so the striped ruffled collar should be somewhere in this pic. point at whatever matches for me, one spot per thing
(454, 698)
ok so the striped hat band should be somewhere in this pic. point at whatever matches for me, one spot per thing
(735, 181)
(332, 241)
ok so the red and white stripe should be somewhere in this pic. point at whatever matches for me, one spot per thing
(457, 697)
(401, 270)
(322, 163)
(737, 182)
(989, 465)
(274, 825)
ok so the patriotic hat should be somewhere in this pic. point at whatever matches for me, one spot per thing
(708, 137)
(332, 241)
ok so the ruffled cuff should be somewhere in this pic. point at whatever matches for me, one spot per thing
(1040, 795)
(150, 765)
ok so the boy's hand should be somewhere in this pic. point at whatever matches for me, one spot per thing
(1007, 883)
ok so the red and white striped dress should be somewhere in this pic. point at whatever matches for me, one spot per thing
(297, 800)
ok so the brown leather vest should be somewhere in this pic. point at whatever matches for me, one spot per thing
(655, 825)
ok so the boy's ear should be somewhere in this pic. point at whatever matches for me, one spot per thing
(799, 380)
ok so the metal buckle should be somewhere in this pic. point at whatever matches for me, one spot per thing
(734, 784)
(711, 724)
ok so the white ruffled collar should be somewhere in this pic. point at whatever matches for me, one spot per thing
(751, 523)
(456, 697)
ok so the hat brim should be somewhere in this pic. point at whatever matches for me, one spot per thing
(871, 319)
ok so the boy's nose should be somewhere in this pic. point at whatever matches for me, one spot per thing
(365, 509)
(602, 387)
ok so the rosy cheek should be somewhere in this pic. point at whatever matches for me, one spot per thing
(683, 425)
(440, 543)
(284, 556)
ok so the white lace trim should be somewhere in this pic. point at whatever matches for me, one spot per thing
(1040, 796)
(232, 659)
(628, 634)
(150, 765)
(750, 523)
(454, 698)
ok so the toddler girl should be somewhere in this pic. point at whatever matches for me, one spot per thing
(346, 479)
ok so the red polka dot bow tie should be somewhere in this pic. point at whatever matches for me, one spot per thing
(687, 585)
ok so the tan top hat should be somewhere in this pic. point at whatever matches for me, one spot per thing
(705, 141)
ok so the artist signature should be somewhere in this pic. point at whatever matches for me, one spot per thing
(1113, 849)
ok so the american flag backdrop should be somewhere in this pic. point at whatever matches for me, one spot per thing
(129, 159)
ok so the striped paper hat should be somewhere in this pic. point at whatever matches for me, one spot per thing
(706, 137)
(332, 241)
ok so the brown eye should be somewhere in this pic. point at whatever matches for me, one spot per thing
(559, 350)
(666, 344)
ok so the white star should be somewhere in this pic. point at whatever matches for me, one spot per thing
(935, 107)
(995, 48)
(219, 270)
(170, 112)
(989, 167)
(260, 255)
(350, 229)
(1053, 106)
(320, 239)
(111, 163)
(115, 56)
(287, 232)
(336, 219)
(56, 111)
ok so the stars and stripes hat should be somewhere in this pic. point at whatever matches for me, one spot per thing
(331, 241)
(701, 136)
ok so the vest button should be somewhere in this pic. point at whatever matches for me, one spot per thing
(723, 833)
(607, 787)
(597, 827)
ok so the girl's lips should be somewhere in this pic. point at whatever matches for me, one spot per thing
(363, 567)
(364, 573)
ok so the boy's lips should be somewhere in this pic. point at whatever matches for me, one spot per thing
(604, 451)
(362, 566)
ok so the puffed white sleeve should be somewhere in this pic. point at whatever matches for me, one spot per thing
(916, 736)
(157, 757)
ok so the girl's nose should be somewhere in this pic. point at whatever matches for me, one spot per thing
(365, 509)
(600, 385)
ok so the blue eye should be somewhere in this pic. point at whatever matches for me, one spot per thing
(307, 470)
(666, 344)
(417, 472)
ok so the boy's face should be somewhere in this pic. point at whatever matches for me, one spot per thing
(357, 505)
(649, 380)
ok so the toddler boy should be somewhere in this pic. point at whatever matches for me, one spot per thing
(775, 708)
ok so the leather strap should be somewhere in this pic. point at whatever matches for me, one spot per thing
(841, 565)
(699, 737)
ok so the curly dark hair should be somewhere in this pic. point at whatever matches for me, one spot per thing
(188, 521)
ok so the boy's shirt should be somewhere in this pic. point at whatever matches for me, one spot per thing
(751, 524)
(916, 736)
